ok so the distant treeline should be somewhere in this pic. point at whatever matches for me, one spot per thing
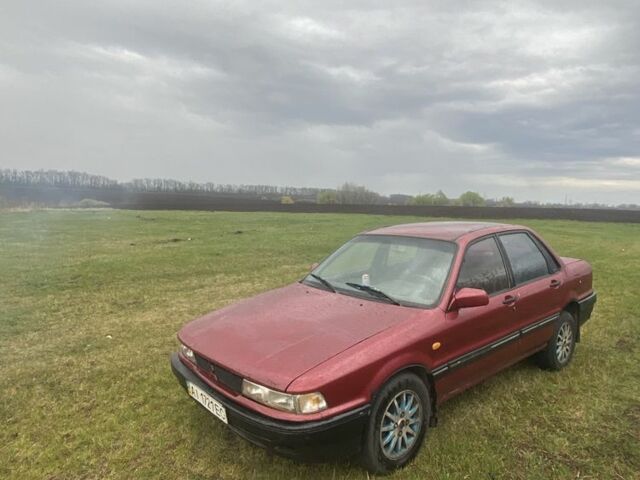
(73, 179)
(346, 194)
(56, 178)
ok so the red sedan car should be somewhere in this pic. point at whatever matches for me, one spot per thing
(358, 355)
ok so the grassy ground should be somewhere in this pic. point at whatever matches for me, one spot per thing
(90, 302)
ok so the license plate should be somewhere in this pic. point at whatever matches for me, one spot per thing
(207, 401)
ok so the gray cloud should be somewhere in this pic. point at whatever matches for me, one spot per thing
(530, 99)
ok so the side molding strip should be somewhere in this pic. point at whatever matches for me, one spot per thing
(479, 352)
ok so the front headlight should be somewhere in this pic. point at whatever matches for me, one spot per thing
(187, 353)
(305, 403)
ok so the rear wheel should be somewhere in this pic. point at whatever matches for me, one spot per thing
(398, 423)
(559, 350)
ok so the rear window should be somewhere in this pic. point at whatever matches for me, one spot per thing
(526, 259)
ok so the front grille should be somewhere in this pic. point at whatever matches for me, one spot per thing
(217, 374)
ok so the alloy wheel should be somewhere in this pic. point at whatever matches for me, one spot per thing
(564, 342)
(400, 425)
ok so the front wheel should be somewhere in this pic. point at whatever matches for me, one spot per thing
(398, 423)
(559, 350)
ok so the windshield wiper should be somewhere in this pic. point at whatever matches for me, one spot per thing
(374, 291)
(323, 281)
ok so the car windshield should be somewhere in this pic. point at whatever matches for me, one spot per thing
(407, 270)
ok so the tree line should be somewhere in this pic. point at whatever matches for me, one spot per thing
(70, 179)
(350, 193)
(347, 193)
(73, 179)
(467, 199)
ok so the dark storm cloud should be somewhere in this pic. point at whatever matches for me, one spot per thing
(529, 99)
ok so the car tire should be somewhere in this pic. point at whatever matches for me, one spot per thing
(559, 351)
(397, 425)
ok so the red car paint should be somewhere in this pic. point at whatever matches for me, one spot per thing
(302, 339)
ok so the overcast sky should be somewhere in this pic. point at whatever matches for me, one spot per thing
(536, 100)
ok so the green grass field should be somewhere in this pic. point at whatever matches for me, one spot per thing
(91, 301)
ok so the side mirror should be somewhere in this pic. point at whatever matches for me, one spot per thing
(469, 297)
(313, 266)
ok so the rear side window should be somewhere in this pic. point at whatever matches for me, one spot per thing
(526, 259)
(552, 264)
(483, 268)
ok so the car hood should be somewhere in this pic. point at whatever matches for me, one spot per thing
(275, 337)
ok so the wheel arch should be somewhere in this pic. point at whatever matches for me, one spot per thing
(422, 372)
(574, 309)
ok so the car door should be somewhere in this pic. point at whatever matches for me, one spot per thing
(479, 341)
(538, 296)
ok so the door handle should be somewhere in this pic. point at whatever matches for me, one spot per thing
(510, 299)
(555, 283)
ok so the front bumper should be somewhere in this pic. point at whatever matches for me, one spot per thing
(341, 435)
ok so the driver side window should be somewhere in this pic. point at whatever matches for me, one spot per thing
(483, 268)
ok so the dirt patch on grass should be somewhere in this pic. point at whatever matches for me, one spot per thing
(625, 345)
(633, 414)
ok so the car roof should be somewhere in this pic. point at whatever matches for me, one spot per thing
(450, 231)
